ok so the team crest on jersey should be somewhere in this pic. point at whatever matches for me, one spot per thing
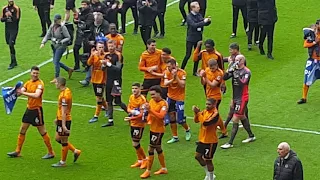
(37, 120)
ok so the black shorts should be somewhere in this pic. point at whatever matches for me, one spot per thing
(239, 107)
(33, 117)
(148, 83)
(164, 93)
(155, 138)
(136, 133)
(70, 4)
(98, 89)
(206, 150)
(11, 36)
(59, 128)
(172, 106)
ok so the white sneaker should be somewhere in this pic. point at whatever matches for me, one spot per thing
(206, 178)
(214, 177)
(249, 139)
(240, 126)
(226, 146)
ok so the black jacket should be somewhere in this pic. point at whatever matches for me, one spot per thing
(99, 7)
(42, 2)
(129, 1)
(162, 5)
(267, 12)
(96, 30)
(239, 2)
(111, 14)
(288, 169)
(11, 23)
(252, 10)
(195, 27)
(84, 24)
(147, 14)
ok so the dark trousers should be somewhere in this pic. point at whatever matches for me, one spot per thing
(189, 46)
(76, 53)
(145, 33)
(253, 26)
(267, 30)
(160, 16)
(235, 13)
(182, 3)
(203, 7)
(134, 11)
(44, 15)
(11, 36)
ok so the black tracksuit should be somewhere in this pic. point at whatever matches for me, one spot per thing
(112, 14)
(84, 25)
(236, 6)
(43, 7)
(267, 17)
(162, 7)
(194, 34)
(132, 4)
(147, 15)
(11, 29)
(252, 14)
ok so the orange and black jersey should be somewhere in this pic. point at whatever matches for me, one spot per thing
(11, 22)
(205, 56)
(119, 39)
(136, 103)
(31, 87)
(98, 75)
(114, 72)
(208, 128)
(148, 60)
(64, 100)
(157, 112)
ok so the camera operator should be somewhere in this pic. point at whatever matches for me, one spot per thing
(59, 36)
(147, 13)
(43, 7)
(99, 30)
(112, 11)
(84, 23)
(11, 17)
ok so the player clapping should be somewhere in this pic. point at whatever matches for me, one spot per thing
(137, 123)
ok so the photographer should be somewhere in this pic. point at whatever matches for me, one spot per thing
(11, 17)
(60, 37)
(147, 12)
(84, 23)
(98, 31)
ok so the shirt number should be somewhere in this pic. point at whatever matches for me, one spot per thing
(99, 90)
(237, 108)
(154, 138)
(206, 151)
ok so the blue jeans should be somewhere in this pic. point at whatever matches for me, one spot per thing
(88, 74)
(57, 54)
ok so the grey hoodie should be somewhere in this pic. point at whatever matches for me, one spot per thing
(59, 36)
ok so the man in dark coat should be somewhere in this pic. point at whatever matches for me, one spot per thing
(252, 16)
(287, 166)
(267, 17)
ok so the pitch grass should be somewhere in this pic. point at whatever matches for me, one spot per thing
(107, 152)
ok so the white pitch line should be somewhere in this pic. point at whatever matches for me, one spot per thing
(188, 117)
(70, 51)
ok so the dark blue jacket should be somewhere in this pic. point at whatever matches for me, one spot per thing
(195, 27)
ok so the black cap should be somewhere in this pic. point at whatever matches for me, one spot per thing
(57, 16)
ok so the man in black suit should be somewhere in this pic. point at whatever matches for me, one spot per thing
(267, 17)
(252, 9)
(195, 23)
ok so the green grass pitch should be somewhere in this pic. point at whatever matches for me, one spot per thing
(107, 152)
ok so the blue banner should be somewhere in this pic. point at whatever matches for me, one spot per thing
(9, 95)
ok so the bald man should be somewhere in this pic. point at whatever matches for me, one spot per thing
(240, 75)
(287, 166)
